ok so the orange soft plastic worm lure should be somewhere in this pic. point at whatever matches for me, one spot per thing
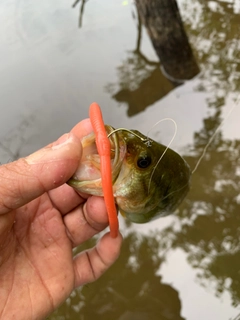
(104, 151)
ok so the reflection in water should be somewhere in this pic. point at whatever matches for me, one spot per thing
(81, 11)
(169, 39)
(209, 220)
(214, 30)
(131, 290)
(141, 81)
(139, 92)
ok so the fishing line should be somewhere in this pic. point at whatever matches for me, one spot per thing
(213, 136)
(167, 147)
(130, 131)
(209, 142)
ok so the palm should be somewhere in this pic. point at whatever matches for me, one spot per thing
(44, 255)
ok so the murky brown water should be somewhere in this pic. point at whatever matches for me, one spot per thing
(185, 266)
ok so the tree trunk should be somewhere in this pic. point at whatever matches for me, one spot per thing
(165, 29)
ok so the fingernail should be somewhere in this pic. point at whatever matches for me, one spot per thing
(52, 152)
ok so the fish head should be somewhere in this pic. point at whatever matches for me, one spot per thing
(152, 181)
(149, 179)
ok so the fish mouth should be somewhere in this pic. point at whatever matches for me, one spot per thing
(87, 178)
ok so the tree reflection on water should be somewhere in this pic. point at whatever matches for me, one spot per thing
(209, 220)
(130, 290)
(140, 84)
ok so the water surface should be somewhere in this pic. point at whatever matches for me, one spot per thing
(185, 266)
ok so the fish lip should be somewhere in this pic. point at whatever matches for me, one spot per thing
(90, 185)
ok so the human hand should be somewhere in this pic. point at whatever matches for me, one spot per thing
(41, 220)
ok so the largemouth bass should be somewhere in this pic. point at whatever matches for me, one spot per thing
(149, 180)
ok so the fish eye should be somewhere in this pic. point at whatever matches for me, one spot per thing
(144, 162)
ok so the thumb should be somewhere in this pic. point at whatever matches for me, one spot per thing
(46, 169)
